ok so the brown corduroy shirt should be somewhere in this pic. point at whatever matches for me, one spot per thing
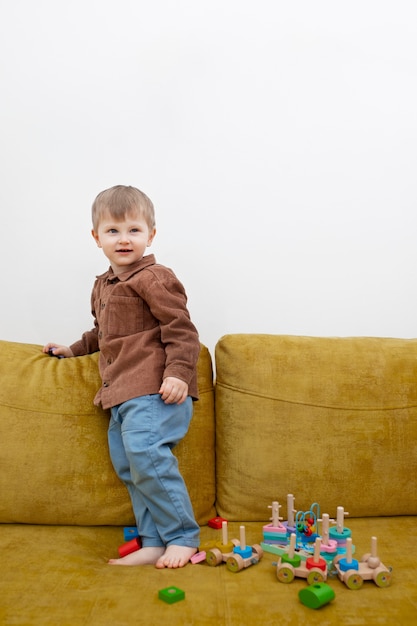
(143, 331)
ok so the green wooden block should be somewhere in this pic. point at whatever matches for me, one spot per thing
(171, 594)
(316, 596)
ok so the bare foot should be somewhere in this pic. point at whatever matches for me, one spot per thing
(175, 556)
(144, 556)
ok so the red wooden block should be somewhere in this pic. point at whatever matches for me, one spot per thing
(130, 546)
(216, 522)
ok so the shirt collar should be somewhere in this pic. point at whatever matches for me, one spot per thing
(145, 261)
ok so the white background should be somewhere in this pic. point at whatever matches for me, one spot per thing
(276, 138)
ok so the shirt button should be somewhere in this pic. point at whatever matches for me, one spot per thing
(103, 304)
(105, 384)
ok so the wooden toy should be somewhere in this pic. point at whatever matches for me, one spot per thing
(275, 533)
(130, 546)
(305, 525)
(171, 594)
(353, 573)
(222, 549)
(317, 595)
(243, 555)
(290, 564)
(290, 513)
(198, 557)
(340, 533)
(236, 554)
(216, 522)
(328, 546)
(130, 532)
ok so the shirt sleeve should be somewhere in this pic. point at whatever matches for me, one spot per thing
(166, 298)
(86, 345)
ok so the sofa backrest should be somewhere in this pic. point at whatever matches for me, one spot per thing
(328, 420)
(54, 462)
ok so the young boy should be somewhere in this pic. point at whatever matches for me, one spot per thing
(148, 356)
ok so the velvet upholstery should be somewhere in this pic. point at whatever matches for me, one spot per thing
(330, 420)
(322, 418)
(58, 576)
(55, 468)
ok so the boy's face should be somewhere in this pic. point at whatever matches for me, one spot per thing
(123, 241)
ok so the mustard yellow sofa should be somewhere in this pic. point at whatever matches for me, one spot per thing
(332, 421)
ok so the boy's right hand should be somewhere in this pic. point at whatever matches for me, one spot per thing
(57, 350)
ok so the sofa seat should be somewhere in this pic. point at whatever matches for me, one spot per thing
(58, 576)
(332, 421)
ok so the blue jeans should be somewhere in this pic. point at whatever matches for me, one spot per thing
(142, 433)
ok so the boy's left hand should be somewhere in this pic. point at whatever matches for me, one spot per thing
(173, 390)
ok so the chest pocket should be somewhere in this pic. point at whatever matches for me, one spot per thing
(123, 315)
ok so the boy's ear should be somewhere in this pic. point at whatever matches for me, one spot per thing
(96, 238)
(151, 236)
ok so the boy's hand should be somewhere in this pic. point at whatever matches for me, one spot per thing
(57, 350)
(173, 390)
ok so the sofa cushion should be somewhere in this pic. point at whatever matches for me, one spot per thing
(332, 420)
(58, 576)
(54, 461)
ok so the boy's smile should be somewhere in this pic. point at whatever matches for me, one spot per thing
(123, 241)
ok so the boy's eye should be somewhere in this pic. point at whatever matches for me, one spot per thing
(112, 230)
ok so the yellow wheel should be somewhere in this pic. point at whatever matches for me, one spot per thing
(352, 579)
(285, 573)
(315, 575)
(235, 563)
(382, 577)
(214, 557)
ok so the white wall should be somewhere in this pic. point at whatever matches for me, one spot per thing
(277, 139)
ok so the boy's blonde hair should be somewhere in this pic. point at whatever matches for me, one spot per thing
(121, 200)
